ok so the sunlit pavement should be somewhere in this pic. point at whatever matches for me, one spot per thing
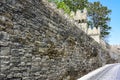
(107, 72)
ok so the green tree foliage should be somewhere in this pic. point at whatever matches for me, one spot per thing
(76, 4)
(99, 17)
(63, 6)
(60, 4)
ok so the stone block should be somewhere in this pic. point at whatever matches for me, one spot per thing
(15, 59)
(4, 36)
(4, 51)
(4, 68)
(4, 43)
(17, 52)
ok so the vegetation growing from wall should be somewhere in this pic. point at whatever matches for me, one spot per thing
(62, 5)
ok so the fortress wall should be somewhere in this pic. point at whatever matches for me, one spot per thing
(37, 42)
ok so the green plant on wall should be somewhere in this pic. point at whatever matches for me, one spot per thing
(63, 6)
(60, 4)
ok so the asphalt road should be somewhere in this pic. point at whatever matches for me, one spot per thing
(107, 72)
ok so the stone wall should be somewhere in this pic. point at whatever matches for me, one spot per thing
(38, 43)
(95, 34)
(80, 16)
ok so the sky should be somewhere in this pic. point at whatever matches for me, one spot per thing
(113, 5)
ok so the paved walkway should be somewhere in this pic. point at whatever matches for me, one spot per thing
(107, 72)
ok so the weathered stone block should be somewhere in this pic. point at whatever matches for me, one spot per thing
(4, 35)
(4, 51)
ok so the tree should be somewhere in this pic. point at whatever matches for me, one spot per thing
(76, 4)
(99, 17)
(60, 4)
(73, 5)
(63, 6)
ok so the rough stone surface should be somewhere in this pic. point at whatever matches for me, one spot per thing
(38, 43)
